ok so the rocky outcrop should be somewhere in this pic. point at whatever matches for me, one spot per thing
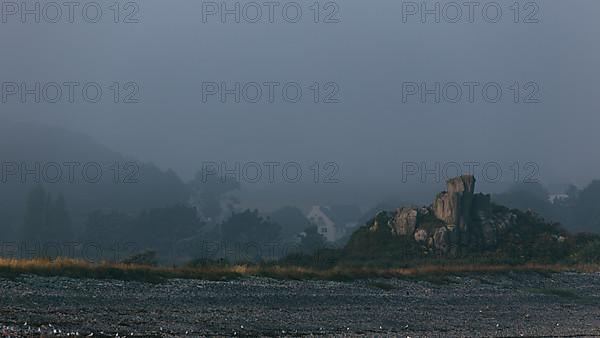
(421, 235)
(405, 221)
(441, 240)
(382, 215)
(494, 226)
(457, 219)
(454, 206)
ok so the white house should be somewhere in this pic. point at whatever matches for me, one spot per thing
(333, 222)
(557, 198)
(325, 225)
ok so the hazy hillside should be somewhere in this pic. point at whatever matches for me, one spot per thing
(67, 162)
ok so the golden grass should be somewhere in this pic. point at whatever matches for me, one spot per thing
(81, 269)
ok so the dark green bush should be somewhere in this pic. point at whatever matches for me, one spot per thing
(147, 258)
(590, 253)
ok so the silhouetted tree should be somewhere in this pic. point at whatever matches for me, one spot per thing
(587, 208)
(161, 228)
(312, 240)
(249, 227)
(212, 194)
(59, 220)
(108, 228)
(292, 222)
(45, 220)
(34, 225)
(525, 196)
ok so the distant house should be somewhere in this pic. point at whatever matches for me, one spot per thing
(334, 222)
(553, 198)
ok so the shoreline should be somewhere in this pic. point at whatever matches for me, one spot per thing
(485, 304)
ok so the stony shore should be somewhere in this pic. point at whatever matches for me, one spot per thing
(513, 304)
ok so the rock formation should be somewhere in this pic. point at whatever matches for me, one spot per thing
(458, 219)
(453, 206)
(405, 221)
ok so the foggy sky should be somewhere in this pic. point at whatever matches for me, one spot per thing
(170, 52)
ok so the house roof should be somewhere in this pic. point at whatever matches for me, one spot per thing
(341, 214)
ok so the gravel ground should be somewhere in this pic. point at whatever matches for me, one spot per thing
(529, 304)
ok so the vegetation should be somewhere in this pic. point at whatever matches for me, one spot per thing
(46, 219)
(223, 271)
(292, 220)
(577, 210)
(311, 240)
(212, 195)
(531, 240)
(249, 227)
(532, 245)
(171, 227)
(73, 268)
(589, 253)
(147, 258)
(159, 229)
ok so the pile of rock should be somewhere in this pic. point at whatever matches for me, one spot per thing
(457, 220)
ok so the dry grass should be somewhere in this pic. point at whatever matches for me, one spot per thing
(80, 269)
(342, 273)
(108, 270)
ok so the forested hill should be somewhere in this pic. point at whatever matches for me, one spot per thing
(69, 163)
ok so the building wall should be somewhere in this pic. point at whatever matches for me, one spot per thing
(325, 226)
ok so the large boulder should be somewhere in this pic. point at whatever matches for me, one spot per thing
(421, 235)
(462, 184)
(405, 221)
(454, 206)
(380, 218)
(441, 240)
(446, 207)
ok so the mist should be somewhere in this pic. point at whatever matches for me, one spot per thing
(369, 54)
